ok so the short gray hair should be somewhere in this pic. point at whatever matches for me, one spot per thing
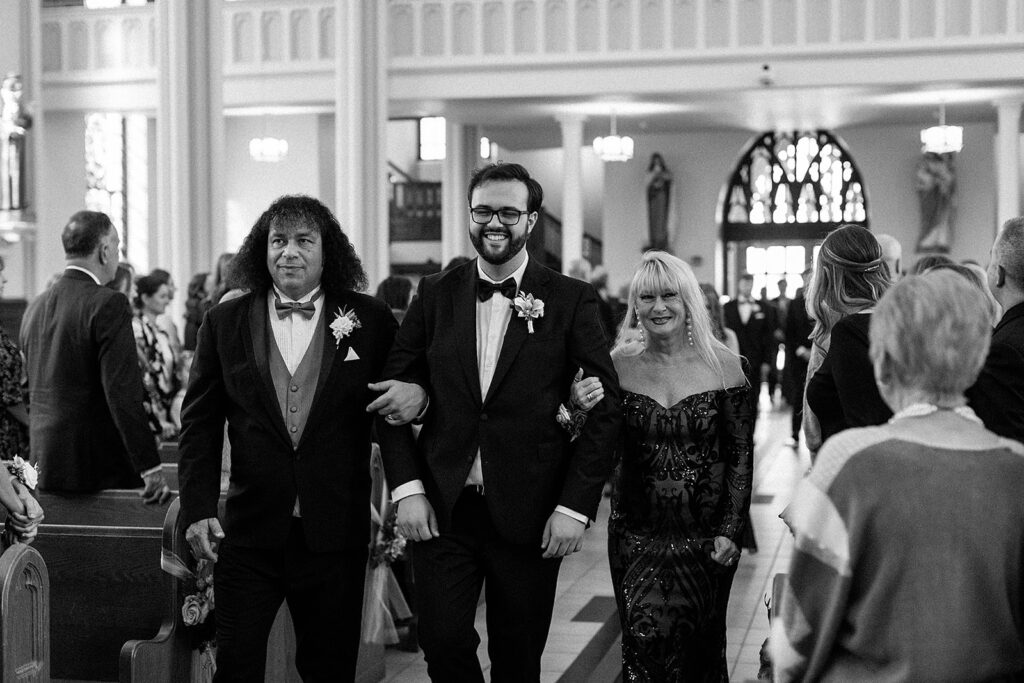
(931, 332)
(1009, 249)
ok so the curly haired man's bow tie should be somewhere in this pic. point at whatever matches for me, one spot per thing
(486, 289)
(286, 308)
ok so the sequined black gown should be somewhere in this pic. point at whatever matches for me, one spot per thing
(684, 478)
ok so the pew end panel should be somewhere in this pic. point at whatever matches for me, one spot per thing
(102, 553)
(24, 616)
(167, 657)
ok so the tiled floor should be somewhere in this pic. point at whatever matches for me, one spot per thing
(587, 649)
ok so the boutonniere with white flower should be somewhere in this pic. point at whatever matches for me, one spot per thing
(528, 307)
(23, 470)
(344, 322)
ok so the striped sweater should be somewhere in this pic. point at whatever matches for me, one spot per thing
(908, 561)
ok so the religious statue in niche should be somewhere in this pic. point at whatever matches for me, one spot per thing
(659, 193)
(14, 123)
(936, 193)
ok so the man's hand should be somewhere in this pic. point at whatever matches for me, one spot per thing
(415, 518)
(25, 523)
(156, 491)
(400, 403)
(204, 536)
(562, 535)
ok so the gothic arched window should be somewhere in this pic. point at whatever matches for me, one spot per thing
(792, 186)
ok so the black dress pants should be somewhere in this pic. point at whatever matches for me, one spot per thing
(325, 597)
(519, 587)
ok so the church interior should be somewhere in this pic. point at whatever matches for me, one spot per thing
(733, 133)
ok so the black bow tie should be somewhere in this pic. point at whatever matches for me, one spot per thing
(286, 308)
(486, 289)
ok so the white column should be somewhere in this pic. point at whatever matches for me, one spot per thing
(1008, 160)
(572, 190)
(454, 180)
(360, 91)
(190, 217)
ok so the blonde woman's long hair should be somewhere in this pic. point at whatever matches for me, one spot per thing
(660, 271)
(850, 276)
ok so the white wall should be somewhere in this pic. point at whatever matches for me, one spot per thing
(251, 186)
(62, 190)
(701, 163)
(887, 157)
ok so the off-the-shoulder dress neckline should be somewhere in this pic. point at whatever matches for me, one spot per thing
(680, 401)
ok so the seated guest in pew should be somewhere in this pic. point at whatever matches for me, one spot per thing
(287, 367)
(87, 426)
(998, 395)
(908, 560)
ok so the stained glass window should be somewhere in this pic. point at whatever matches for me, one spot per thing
(104, 168)
(793, 185)
(116, 177)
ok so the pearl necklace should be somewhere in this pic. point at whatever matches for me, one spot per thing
(922, 409)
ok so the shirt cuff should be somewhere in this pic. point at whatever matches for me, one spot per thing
(151, 470)
(409, 488)
(583, 519)
(419, 418)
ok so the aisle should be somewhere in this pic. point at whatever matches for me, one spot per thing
(584, 642)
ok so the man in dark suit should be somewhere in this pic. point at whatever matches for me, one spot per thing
(87, 424)
(754, 326)
(798, 352)
(998, 395)
(494, 493)
(287, 366)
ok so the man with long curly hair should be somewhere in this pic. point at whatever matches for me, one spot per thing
(287, 367)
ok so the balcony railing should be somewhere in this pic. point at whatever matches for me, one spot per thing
(85, 45)
(432, 33)
(298, 36)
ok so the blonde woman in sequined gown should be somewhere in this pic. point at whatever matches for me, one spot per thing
(683, 480)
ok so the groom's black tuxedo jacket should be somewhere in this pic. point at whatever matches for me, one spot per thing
(529, 465)
(329, 470)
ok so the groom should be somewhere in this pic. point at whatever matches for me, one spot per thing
(287, 367)
(493, 491)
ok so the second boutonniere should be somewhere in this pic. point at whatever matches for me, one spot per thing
(528, 307)
(344, 322)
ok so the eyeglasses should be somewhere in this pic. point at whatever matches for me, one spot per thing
(482, 216)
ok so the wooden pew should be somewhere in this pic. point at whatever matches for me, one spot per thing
(24, 616)
(102, 552)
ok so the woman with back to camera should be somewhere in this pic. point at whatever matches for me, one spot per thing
(683, 480)
(849, 279)
(908, 560)
(160, 363)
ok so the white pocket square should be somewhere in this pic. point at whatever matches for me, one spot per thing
(352, 355)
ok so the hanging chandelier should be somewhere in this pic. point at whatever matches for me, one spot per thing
(942, 139)
(612, 147)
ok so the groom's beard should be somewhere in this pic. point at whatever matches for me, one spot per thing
(512, 246)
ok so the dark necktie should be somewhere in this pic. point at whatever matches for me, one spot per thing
(286, 308)
(485, 289)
